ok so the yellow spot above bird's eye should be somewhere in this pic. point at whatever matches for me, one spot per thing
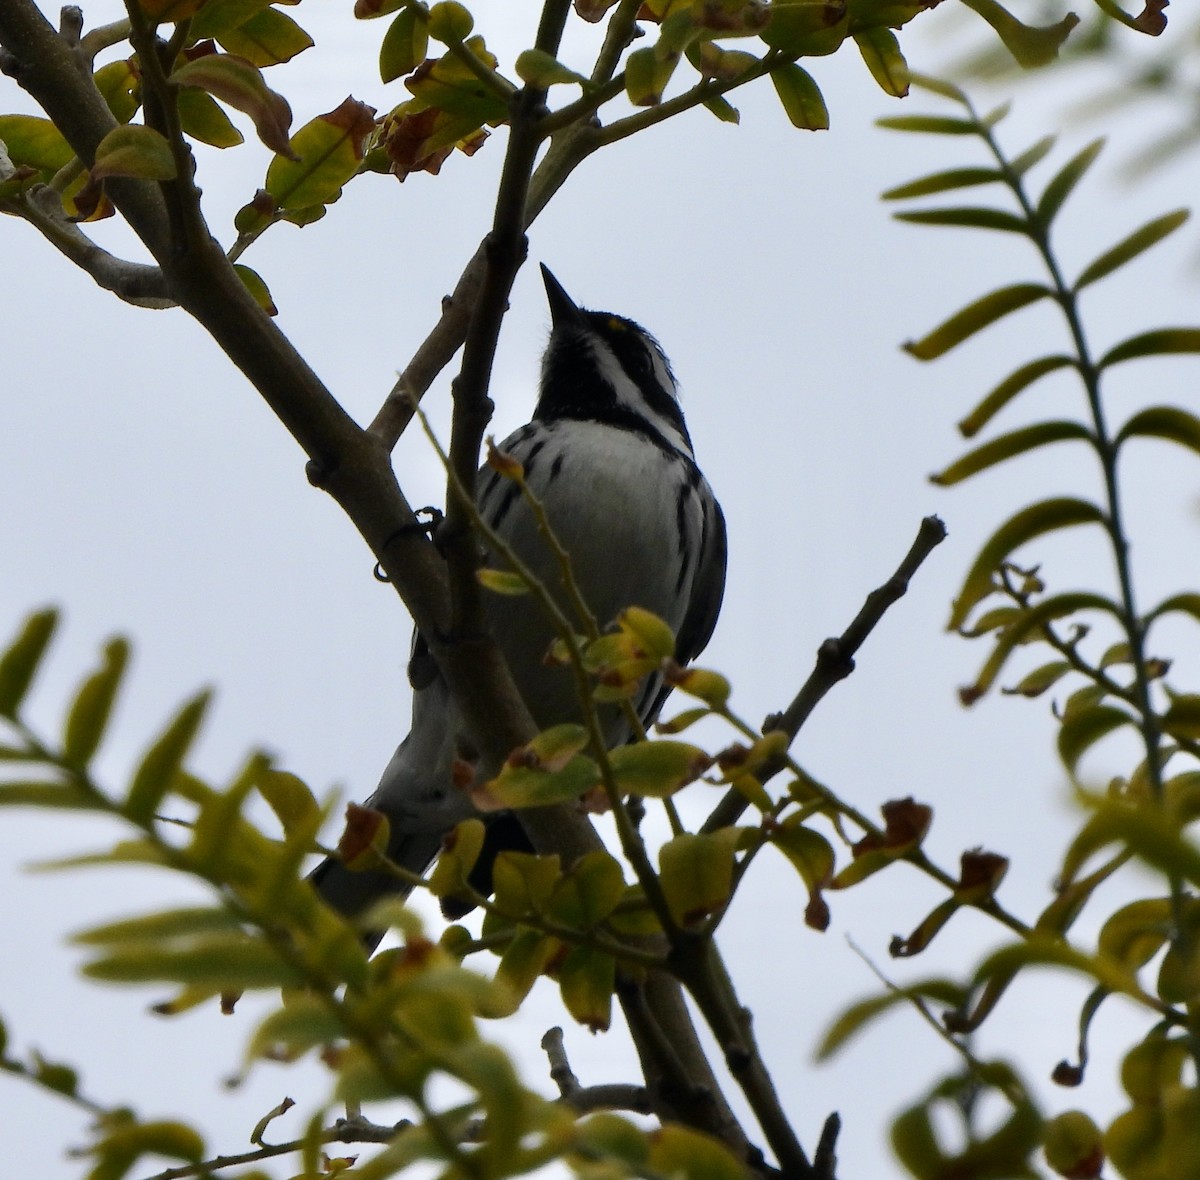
(616, 324)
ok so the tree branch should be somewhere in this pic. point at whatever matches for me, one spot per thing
(835, 661)
(134, 282)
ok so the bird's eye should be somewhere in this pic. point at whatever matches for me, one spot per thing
(641, 364)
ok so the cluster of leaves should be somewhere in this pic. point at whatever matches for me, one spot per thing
(198, 59)
(385, 1028)
(1148, 949)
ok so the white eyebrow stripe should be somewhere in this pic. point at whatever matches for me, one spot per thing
(628, 395)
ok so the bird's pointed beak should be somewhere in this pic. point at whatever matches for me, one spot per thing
(563, 309)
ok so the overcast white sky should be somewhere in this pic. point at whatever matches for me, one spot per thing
(147, 490)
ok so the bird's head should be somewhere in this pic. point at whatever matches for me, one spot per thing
(603, 367)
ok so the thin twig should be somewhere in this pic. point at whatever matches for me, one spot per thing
(835, 661)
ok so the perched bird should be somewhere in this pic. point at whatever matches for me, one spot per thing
(608, 455)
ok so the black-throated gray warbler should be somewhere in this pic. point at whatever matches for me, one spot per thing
(608, 456)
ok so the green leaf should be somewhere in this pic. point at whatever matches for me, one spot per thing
(540, 69)
(121, 87)
(657, 769)
(39, 794)
(1129, 248)
(941, 182)
(943, 87)
(801, 97)
(524, 882)
(134, 150)
(589, 893)
(523, 960)
(217, 16)
(1060, 187)
(881, 52)
(851, 1021)
(161, 926)
(1003, 393)
(452, 86)
(970, 217)
(202, 118)
(1026, 626)
(93, 704)
(35, 142)
(586, 979)
(1007, 446)
(268, 38)
(20, 662)
(1136, 932)
(1187, 603)
(324, 154)
(1160, 342)
(302, 1024)
(290, 799)
(1034, 155)
(460, 850)
(230, 962)
(974, 318)
(697, 874)
(679, 1151)
(1164, 422)
(450, 22)
(1034, 683)
(404, 45)
(723, 109)
(1081, 729)
(646, 77)
(243, 87)
(1182, 717)
(254, 283)
(930, 124)
(502, 581)
(1028, 524)
(163, 761)
(1031, 46)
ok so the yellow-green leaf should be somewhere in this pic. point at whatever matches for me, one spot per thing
(1028, 524)
(589, 893)
(1159, 342)
(243, 87)
(853, 1019)
(502, 581)
(324, 154)
(940, 182)
(967, 217)
(657, 769)
(268, 38)
(450, 22)
(540, 69)
(404, 44)
(586, 979)
(929, 124)
(134, 150)
(158, 768)
(202, 119)
(121, 85)
(1007, 446)
(161, 926)
(679, 1151)
(697, 874)
(1064, 181)
(881, 52)
(800, 97)
(974, 318)
(460, 850)
(1165, 422)
(254, 283)
(19, 663)
(34, 142)
(290, 799)
(1031, 46)
(1137, 931)
(230, 962)
(1003, 393)
(92, 707)
(1129, 248)
(646, 77)
(1083, 728)
(171, 1139)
